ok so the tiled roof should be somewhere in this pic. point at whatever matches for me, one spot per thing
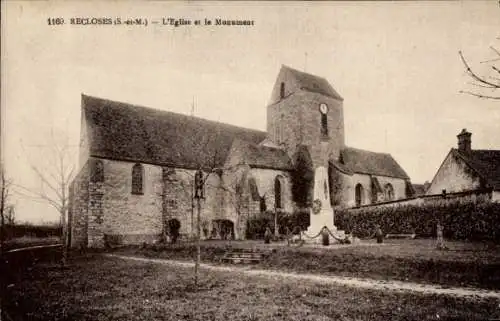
(128, 132)
(313, 83)
(486, 163)
(262, 156)
(341, 167)
(371, 163)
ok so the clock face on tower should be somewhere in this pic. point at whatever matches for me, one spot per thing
(323, 108)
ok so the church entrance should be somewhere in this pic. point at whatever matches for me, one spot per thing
(222, 230)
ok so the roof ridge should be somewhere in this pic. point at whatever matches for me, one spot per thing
(155, 110)
(479, 150)
(366, 150)
(303, 72)
(486, 150)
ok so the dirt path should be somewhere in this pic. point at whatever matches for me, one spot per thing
(334, 280)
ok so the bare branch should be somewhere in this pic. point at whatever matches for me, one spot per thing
(479, 95)
(37, 196)
(491, 60)
(46, 181)
(495, 50)
(480, 85)
(475, 76)
(494, 59)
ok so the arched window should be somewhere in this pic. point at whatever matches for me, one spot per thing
(359, 195)
(388, 192)
(282, 90)
(137, 179)
(324, 125)
(278, 192)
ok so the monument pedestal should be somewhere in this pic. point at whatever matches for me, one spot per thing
(321, 214)
(320, 220)
(317, 222)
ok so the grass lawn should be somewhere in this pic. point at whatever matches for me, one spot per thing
(93, 287)
(464, 264)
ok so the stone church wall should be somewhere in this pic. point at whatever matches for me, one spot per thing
(78, 208)
(179, 203)
(349, 193)
(235, 199)
(178, 199)
(238, 204)
(399, 186)
(108, 210)
(132, 218)
(265, 183)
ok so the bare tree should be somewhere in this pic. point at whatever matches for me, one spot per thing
(10, 214)
(487, 84)
(54, 174)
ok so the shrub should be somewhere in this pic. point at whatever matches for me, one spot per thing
(31, 230)
(256, 227)
(293, 222)
(461, 221)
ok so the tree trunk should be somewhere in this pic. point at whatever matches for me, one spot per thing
(64, 239)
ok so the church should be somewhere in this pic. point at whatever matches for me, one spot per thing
(137, 167)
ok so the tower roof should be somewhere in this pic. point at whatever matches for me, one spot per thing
(312, 83)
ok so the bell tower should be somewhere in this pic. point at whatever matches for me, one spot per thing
(304, 109)
(306, 112)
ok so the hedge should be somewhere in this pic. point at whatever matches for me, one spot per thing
(460, 221)
(31, 230)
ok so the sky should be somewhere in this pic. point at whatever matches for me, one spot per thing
(396, 64)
